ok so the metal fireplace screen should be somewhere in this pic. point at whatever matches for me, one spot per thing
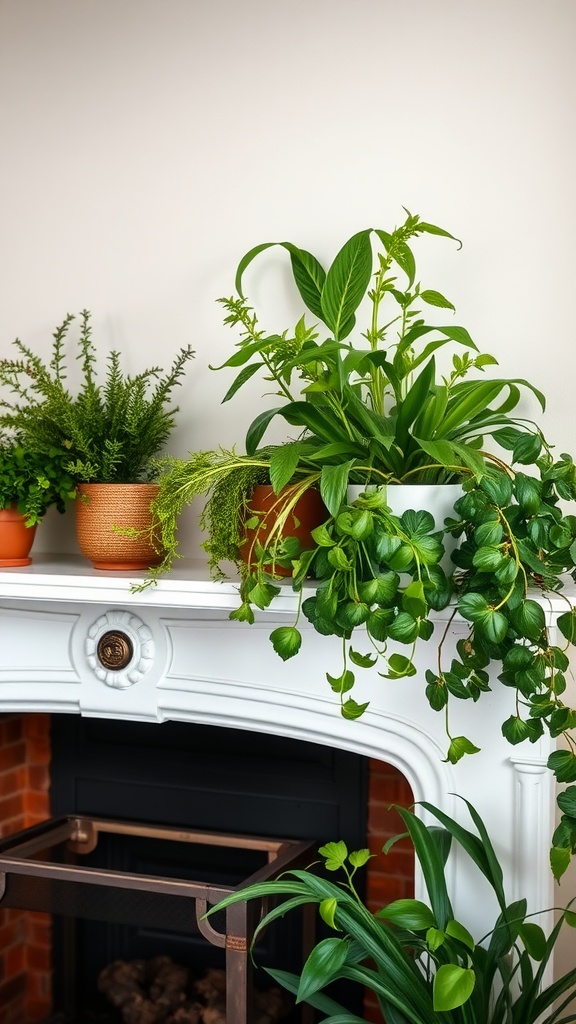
(42, 869)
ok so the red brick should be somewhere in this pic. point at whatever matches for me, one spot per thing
(12, 755)
(37, 751)
(38, 777)
(12, 988)
(36, 725)
(38, 960)
(13, 961)
(12, 729)
(11, 806)
(13, 780)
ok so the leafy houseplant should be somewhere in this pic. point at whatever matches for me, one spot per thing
(376, 411)
(111, 430)
(422, 964)
(33, 481)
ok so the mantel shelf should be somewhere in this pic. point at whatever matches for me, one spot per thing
(70, 578)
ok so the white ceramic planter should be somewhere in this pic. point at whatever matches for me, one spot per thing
(438, 499)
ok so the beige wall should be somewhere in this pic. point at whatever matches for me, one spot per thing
(146, 145)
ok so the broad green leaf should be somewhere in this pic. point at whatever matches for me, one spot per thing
(408, 913)
(334, 484)
(529, 619)
(327, 911)
(459, 746)
(283, 461)
(457, 931)
(417, 522)
(488, 534)
(498, 487)
(434, 298)
(528, 493)
(322, 537)
(487, 559)
(309, 276)
(473, 607)
(346, 284)
(567, 625)
(358, 858)
(362, 660)
(343, 683)
(399, 666)
(453, 985)
(378, 622)
(563, 764)
(351, 710)
(338, 559)
(493, 625)
(286, 641)
(434, 939)
(560, 858)
(404, 628)
(335, 855)
(515, 730)
(567, 801)
(534, 940)
(353, 613)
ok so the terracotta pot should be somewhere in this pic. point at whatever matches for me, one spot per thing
(309, 512)
(16, 538)
(102, 507)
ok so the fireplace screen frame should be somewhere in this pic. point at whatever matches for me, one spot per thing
(21, 857)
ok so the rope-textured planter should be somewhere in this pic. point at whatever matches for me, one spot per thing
(100, 509)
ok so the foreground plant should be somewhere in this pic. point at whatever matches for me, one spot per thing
(421, 962)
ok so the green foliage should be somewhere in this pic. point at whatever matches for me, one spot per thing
(375, 402)
(111, 429)
(421, 963)
(33, 481)
(373, 411)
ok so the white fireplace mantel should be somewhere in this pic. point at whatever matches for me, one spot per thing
(191, 663)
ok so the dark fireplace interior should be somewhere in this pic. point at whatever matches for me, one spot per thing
(193, 777)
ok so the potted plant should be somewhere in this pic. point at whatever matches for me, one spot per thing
(375, 411)
(111, 429)
(422, 963)
(30, 482)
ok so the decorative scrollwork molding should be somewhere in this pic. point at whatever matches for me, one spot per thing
(119, 648)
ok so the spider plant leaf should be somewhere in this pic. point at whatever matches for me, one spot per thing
(322, 966)
(430, 861)
(319, 1000)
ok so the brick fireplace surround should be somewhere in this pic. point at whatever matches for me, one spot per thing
(189, 663)
(25, 937)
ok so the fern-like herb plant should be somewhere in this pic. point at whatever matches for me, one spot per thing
(110, 428)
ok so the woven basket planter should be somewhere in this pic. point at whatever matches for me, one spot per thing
(100, 508)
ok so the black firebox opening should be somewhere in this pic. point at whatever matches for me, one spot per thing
(197, 777)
